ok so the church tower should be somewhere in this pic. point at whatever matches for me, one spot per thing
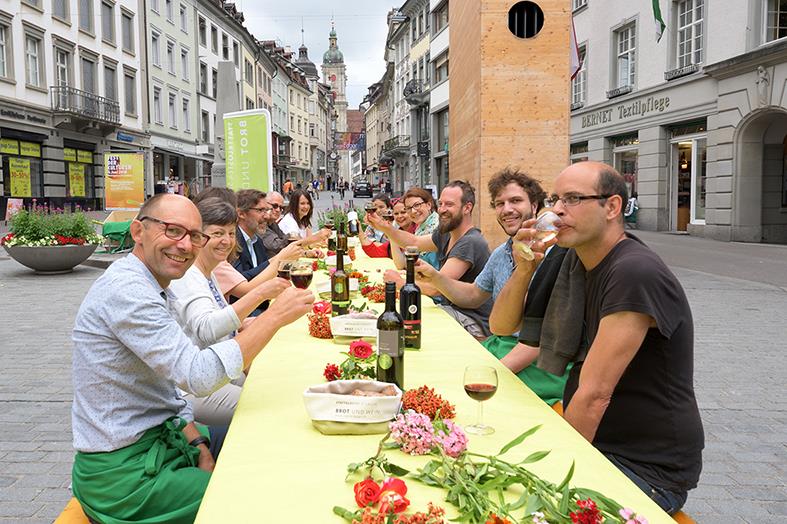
(334, 74)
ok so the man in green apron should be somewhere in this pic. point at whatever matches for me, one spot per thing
(140, 458)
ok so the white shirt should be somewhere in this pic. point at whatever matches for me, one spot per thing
(288, 225)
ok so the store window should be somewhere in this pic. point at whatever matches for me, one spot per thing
(22, 168)
(625, 151)
(79, 172)
(579, 152)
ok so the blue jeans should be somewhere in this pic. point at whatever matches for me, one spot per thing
(669, 501)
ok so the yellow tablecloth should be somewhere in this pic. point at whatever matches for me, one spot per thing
(275, 467)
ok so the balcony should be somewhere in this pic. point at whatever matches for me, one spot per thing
(79, 110)
(282, 160)
(397, 146)
(416, 92)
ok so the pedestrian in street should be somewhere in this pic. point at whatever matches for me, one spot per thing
(140, 457)
(341, 189)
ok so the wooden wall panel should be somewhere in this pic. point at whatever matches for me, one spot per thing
(509, 101)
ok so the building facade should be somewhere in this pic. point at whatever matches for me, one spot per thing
(334, 74)
(416, 91)
(696, 123)
(439, 91)
(396, 150)
(70, 90)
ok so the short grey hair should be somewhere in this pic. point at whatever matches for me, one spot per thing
(217, 212)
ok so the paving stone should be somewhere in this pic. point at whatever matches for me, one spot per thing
(19, 509)
(15, 494)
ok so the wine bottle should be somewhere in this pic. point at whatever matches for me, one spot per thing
(340, 287)
(410, 303)
(341, 239)
(390, 341)
(352, 223)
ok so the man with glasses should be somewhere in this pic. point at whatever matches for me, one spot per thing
(253, 215)
(631, 393)
(274, 239)
(140, 458)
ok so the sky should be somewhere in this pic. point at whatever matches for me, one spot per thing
(360, 26)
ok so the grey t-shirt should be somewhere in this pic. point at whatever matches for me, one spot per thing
(471, 248)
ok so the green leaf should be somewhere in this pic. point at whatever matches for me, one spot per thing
(565, 497)
(568, 477)
(395, 470)
(534, 503)
(517, 441)
(346, 514)
(519, 502)
(535, 457)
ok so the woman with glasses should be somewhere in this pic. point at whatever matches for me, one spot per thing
(421, 207)
(201, 310)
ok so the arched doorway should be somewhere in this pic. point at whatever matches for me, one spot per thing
(760, 186)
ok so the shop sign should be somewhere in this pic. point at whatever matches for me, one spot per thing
(84, 156)
(69, 154)
(76, 179)
(247, 150)
(12, 113)
(124, 186)
(30, 149)
(9, 146)
(636, 109)
(19, 169)
(124, 137)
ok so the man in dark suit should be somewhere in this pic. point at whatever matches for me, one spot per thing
(253, 213)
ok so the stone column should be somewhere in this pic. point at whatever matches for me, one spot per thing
(653, 179)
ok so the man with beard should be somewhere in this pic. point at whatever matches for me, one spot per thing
(461, 249)
(253, 212)
(515, 198)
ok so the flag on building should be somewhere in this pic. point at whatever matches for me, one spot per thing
(574, 63)
(660, 25)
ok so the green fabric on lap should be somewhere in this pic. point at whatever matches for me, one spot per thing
(153, 481)
(547, 386)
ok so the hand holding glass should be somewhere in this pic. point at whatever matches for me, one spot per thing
(547, 226)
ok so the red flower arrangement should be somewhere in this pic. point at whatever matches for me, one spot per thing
(375, 292)
(587, 513)
(387, 503)
(320, 320)
(494, 519)
(361, 363)
(332, 372)
(425, 400)
(361, 349)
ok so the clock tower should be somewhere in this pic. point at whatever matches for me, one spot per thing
(334, 74)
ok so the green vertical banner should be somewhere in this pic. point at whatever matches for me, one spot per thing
(247, 150)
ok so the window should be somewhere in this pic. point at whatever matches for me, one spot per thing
(579, 82)
(130, 92)
(203, 32)
(441, 68)
(88, 75)
(62, 67)
(86, 15)
(60, 9)
(127, 30)
(186, 116)
(576, 4)
(154, 5)
(776, 21)
(184, 19)
(248, 71)
(170, 12)
(110, 83)
(442, 130)
(249, 103)
(184, 63)
(225, 47)
(154, 49)
(215, 82)
(690, 29)
(171, 57)
(214, 39)
(33, 60)
(173, 115)
(108, 22)
(5, 48)
(203, 78)
(625, 42)
(205, 126)
(157, 116)
(236, 54)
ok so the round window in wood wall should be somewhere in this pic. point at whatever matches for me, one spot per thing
(525, 19)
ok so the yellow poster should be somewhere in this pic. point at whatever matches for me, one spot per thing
(76, 179)
(84, 156)
(30, 149)
(124, 180)
(69, 154)
(19, 169)
(9, 146)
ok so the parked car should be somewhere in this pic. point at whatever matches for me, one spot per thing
(362, 189)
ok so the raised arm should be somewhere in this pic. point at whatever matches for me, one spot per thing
(400, 236)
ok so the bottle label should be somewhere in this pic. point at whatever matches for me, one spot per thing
(412, 333)
(338, 287)
(413, 309)
(388, 344)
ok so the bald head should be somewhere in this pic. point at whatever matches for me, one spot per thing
(277, 205)
(602, 178)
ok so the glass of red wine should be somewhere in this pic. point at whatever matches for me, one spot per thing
(480, 384)
(301, 274)
(284, 270)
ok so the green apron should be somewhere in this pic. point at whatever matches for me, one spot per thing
(155, 480)
(547, 386)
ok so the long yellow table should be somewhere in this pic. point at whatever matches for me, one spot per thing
(275, 467)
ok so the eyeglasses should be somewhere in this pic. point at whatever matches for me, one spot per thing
(573, 200)
(276, 206)
(178, 232)
(414, 207)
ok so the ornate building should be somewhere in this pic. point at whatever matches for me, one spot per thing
(335, 75)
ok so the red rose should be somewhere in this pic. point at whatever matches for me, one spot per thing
(367, 492)
(392, 496)
(332, 372)
(322, 307)
(361, 349)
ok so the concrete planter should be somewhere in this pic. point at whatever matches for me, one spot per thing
(51, 260)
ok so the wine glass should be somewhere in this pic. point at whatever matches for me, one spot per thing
(480, 384)
(301, 274)
(547, 226)
(284, 270)
(388, 215)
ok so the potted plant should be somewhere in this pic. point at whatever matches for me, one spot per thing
(50, 243)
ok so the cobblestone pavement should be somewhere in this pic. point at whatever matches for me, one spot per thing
(739, 370)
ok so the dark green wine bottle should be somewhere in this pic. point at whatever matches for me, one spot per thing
(390, 341)
(340, 288)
